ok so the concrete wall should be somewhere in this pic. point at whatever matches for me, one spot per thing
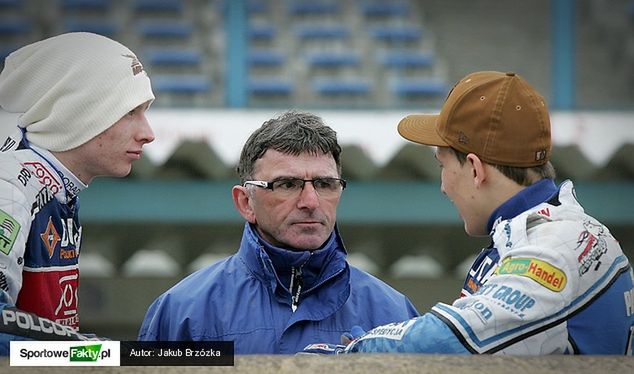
(365, 364)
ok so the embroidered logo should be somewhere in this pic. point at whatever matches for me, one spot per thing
(50, 237)
(463, 138)
(136, 65)
(9, 229)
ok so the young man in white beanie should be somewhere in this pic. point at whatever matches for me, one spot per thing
(82, 99)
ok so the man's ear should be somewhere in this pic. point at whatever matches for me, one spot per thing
(478, 169)
(241, 200)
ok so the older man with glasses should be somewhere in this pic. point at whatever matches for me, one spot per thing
(289, 284)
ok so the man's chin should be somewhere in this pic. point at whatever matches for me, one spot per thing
(308, 244)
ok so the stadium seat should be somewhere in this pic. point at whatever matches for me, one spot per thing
(338, 86)
(620, 167)
(277, 86)
(173, 56)
(181, 84)
(256, 6)
(101, 26)
(322, 31)
(194, 160)
(333, 59)
(157, 29)
(7, 4)
(396, 33)
(94, 264)
(85, 4)
(313, 8)
(206, 259)
(357, 164)
(362, 261)
(172, 6)
(405, 59)
(261, 32)
(571, 163)
(420, 87)
(143, 168)
(382, 9)
(14, 27)
(150, 263)
(266, 57)
(417, 266)
(409, 164)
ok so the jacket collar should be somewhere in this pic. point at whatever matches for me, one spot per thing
(268, 261)
(272, 265)
(527, 198)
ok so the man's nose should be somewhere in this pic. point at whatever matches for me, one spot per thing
(145, 135)
(308, 197)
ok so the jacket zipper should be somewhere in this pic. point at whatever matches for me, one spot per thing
(297, 282)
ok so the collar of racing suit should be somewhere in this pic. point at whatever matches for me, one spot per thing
(529, 197)
(72, 185)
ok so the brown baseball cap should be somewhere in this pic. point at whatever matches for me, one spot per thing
(497, 116)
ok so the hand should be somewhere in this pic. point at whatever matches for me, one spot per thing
(334, 349)
(323, 349)
(348, 337)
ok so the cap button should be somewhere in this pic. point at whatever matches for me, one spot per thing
(510, 74)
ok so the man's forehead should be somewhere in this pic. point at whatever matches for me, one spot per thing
(279, 163)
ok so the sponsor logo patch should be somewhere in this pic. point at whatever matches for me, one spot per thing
(540, 271)
(8, 144)
(50, 237)
(592, 245)
(44, 176)
(9, 229)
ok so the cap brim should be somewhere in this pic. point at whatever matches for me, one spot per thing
(421, 128)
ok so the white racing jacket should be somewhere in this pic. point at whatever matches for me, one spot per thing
(554, 281)
(40, 237)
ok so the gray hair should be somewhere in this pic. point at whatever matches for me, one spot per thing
(293, 133)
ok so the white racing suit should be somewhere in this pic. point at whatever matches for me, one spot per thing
(40, 237)
(553, 281)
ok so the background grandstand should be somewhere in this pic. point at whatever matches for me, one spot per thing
(220, 68)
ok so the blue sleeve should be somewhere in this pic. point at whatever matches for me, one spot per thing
(151, 326)
(425, 334)
(164, 321)
(411, 309)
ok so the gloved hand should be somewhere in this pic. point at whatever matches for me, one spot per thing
(322, 349)
(355, 332)
(334, 349)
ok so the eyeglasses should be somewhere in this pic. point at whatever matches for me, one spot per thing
(290, 187)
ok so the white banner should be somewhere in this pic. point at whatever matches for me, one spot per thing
(64, 353)
(597, 134)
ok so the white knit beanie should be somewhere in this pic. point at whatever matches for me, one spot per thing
(71, 87)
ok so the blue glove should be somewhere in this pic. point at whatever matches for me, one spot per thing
(334, 349)
(323, 349)
(355, 332)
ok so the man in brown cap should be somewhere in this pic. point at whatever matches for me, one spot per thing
(553, 280)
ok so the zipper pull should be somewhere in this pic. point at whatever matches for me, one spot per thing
(296, 282)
